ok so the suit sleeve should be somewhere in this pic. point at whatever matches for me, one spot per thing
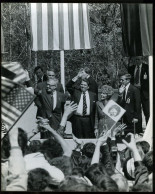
(69, 87)
(137, 102)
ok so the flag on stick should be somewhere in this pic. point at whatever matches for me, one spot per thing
(16, 69)
(60, 26)
(15, 101)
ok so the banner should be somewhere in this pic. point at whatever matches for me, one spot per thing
(60, 26)
(137, 29)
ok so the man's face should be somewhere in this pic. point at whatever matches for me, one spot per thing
(123, 80)
(138, 60)
(50, 74)
(39, 73)
(51, 86)
(84, 86)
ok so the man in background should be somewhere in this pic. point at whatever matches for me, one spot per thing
(140, 79)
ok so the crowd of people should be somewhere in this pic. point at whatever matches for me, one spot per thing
(53, 165)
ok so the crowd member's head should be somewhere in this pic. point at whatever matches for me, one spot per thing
(148, 161)
(106, 92)
(63, 163)
(84, 85)
(50, 73)
(22, 140)
(73, 184)
(125, 79)
(145, 146)
(77, 171)
(33, 147)
(39, 72)
(106, 183)
(94, 171)
(51, 86)
(88, 149)
(143, 187)
(38, 180)
(121, 182)
(51, 149)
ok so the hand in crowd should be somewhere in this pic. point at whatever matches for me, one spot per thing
(69, 108)
(132, 144)
(118, 129)
(101, 140)
(13, 136)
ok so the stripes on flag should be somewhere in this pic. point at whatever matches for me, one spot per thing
(60, 26)
(15, 100)
(17, 69)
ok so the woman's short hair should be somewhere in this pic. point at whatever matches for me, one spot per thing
(107, 90)
(88, 149)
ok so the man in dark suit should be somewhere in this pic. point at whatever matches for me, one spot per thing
(84, 73)
(41, 77)
(51, 105)
(129, 99)
(83, 119)
(140, 79)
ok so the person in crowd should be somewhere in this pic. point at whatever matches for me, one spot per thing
(140, 79)
(141, 182)
(50, 104)
(15, 176)
(102, 122)
(41, 77)
(84, 73)
(129, 99)
(83, 119)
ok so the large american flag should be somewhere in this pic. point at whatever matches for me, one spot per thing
(15, 101)
(60, 26)
(15, 68)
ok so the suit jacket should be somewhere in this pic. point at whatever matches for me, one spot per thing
(93, 87)
(42, 86)
(132, 105)
(144, 80)
(76, 95)
(47, 108)
(44, 79)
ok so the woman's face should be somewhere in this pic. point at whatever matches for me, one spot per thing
(113, 112)
(104, 96)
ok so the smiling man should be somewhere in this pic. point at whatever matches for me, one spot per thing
(83, 119)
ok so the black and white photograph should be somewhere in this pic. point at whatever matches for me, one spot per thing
(76, 97)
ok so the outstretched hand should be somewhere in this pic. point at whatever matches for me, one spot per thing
(118, 129)
(132, 144)
(42, 122)
(70, 108)
(101, 140)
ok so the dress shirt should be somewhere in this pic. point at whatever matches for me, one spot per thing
(140, 67)
(80, 105)
(54, 99)
(126, 89)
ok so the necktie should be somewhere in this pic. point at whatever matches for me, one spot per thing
(137, 75)
(52, 100)
(84, 103)
(124, 95)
